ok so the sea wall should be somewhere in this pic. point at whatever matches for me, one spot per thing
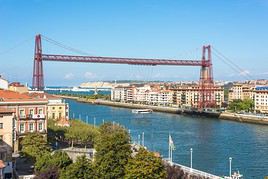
(223, 115)
(244, 118)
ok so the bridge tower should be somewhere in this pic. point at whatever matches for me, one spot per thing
(38, 75)
(206, 83)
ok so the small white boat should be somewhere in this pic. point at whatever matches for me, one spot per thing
(142, 111)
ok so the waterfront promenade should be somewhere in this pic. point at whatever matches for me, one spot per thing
(213, 140)
(244, 118)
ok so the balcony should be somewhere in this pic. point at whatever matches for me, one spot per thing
(32, 116)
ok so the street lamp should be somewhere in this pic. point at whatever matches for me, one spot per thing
(191, 150)
(230, 167)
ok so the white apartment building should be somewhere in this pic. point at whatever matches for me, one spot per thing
(122, 94)
(3, 83)
(261, 99)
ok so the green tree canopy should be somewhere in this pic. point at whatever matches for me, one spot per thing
(145, 165)
(58, 158)
(113, 151)
(82, 168)
(81, 133)
(241, 105)
(34, 145)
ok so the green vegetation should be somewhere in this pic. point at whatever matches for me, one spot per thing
(81, 133)
(112, 160)
(82, 168)
(113, 151)
(145, 165)
(241, 105)
(89, 97)
(34, 145)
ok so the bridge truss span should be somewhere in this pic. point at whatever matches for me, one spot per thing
(206, 83)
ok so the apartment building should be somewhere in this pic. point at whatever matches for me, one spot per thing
(261, 99)
(30, 114)
(17, 87)
(7, 137)
(188, 95)
(241, 91)
(122, 94)
(3, 83)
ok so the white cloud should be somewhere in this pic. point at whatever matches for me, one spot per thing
(90, 75)
(69, 76)
(244, 73)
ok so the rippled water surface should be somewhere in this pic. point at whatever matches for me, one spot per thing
(213, 141)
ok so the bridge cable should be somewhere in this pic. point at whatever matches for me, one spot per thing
(231, 64)
(19, 44)
(68, 48)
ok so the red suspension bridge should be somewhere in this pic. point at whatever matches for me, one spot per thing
(206, 83)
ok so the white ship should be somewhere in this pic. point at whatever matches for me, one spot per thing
(142, 111)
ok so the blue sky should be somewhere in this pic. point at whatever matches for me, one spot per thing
(173, 29)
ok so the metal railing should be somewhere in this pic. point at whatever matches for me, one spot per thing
(197, 172)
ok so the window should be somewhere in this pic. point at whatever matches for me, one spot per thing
(1, 125)
(31, 111)
(1, 138)
(53, 115)
(40, 111)
(53, 108)
(22, 127)
(31, 127)
(59, 115)
(40, 126)
(60, 107)
(22, 112)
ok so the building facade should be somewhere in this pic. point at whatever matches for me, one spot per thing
(3, 83)
(7, 135)
(241, 91)
(261, 99)
(163, 95)
(30, 114)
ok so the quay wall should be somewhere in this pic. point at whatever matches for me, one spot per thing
(223, 115)
(244, 118)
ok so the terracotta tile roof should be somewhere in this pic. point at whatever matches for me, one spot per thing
(11, 96)
(16, 84)
(42, 95)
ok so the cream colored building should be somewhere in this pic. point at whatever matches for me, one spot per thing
(261, 99)
(188, 95)
(241, 91)
(17, 87)
(7, 135)
(57, 109)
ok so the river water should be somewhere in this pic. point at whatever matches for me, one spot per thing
(213, 140)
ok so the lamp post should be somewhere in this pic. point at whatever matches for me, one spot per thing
(142, 139)
(94, 122)
(230, 167)
(191, 151)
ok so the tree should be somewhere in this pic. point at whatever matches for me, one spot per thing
(34, 145)
(81, 133)
(145, 165)
(113, 151)
(241, 105)
(82, 168)
(48, 160)
(51, 172)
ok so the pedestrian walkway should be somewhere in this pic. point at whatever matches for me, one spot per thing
(196, 172)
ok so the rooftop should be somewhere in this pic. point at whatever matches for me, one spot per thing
(11, 96)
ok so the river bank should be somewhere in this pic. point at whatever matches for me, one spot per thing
(223, 115)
